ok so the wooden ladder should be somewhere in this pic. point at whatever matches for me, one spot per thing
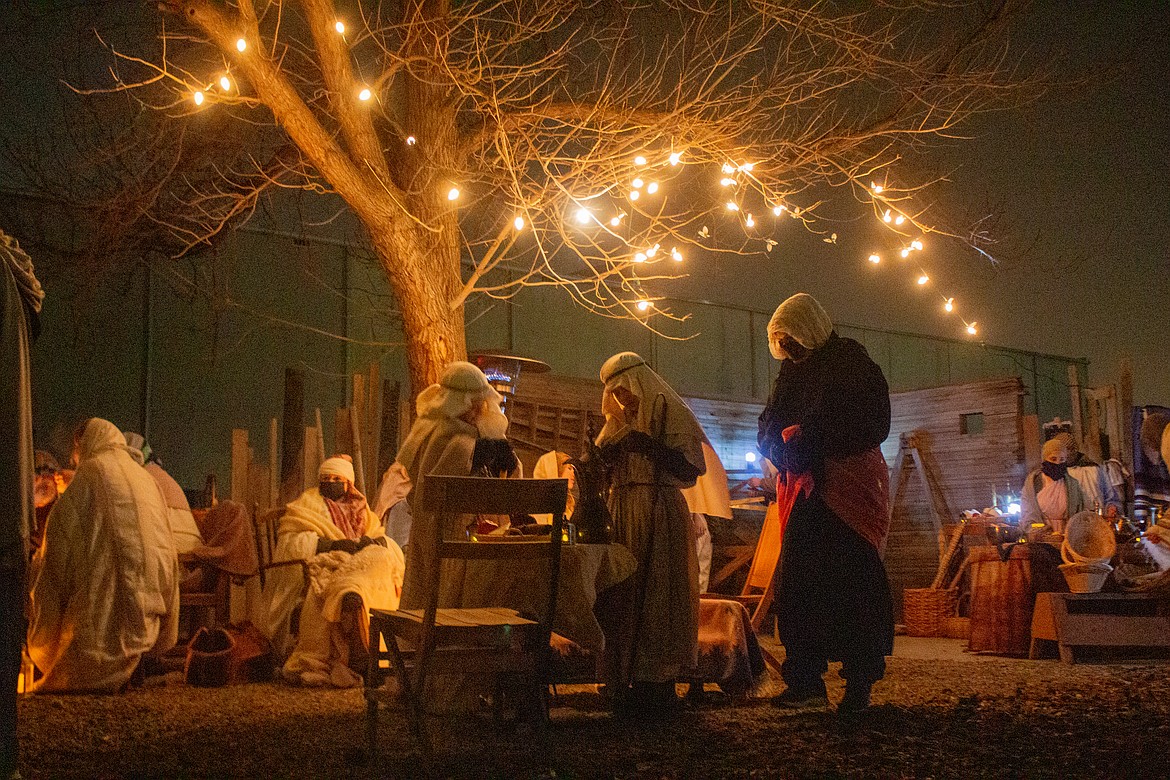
(913, 445)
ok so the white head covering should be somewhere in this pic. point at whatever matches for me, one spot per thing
(336, 466)
(1053, 448)
(461, 387)
(802, 318)
(670, 417)
(100, 435)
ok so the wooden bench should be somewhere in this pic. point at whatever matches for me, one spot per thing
(1074, 620)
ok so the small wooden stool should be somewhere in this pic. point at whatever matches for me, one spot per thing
(1074, 620)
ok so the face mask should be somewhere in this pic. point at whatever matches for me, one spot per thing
(1053, 470)
(332, 490)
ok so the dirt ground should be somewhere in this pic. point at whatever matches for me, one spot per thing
(940, 713)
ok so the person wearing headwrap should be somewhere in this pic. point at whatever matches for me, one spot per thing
(654, 447)
(20, 306)
(105, 583)
(182, 522)
(1050, 496)
(459, 431)
(827, 415)
(352, 568)
(1100, 483)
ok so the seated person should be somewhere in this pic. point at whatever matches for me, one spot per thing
(1050, 496)
(181, 521)
(105, 588)
(352, 568)
(557, 465)
(454, 415)
(1098, 489)
(47, 487)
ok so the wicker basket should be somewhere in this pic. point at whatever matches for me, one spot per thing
(958, 627)
(926, 610)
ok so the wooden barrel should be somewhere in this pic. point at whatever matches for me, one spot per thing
(1003, 593)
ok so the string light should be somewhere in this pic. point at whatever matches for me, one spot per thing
(949, 306)
(750, 221)
(732, 206)
(639, 160)
(916, 244)
(453, 193)
(635, 194)
(615, 221)
(638, 183)
(899, 220)
(778, 210)
(972, 329)
(923, 279)
(365, 94)
(747, 167)
(197, 96)
(639, 257)
(518, 223)
(726, 181)
(875, 259)
(675, 157)
(411, 140)
(643, 305)
(677, 255)
(340, 27)
(652, 187)
(905, 253)
(241, 44)
(653, 250)
(877, 188)
(584, 216)
(887, 217)
(728, 168)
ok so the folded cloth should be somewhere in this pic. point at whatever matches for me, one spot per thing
(729, 653)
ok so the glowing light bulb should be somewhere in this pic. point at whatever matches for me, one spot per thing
(365, 94)
(1013, 508)
(411, 140)
(877, 188)
(584, 216)
(241, 44)
(340, 27)
(639, 160)
(923, 279)
(899, 220)
(225, 83)
(916, 244)
(652, 187)
(615, 221)
(518, 223)
(197, 97)
(750, 221)
(643, 305)
(750, 457)
(731, 206)
(639, 257)
(949, 305)
(875, 259)
(676, 255)
(778, 210)
(653, 250)
(635, 194)
(728, 168)
(453, 193)
(726, 182)
(675, 157)
(887, 217)
(747, 167)
(638, 183)
(905, 253)
(971, 329)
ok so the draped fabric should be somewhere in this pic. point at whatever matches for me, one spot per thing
(105, 585)
(228, 543)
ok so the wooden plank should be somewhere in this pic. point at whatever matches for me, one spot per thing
(273, 471)
(310, 462)
(259, 487)
(342, 434)
(1074, 392)
(293, 442)
(241, 458)
(354, 424)
(320, 435)
(373, 426)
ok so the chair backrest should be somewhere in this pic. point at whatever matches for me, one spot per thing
(446, 495)
(767, 555)
(265, 524)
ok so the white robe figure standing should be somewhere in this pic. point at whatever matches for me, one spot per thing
(105, 586)
(352, 567)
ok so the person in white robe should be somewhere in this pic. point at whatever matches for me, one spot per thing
(557, 465)
(710, 496)
(1098, 482)
(352, 568)
(1050, 496)
(182, 522)
(105, 587)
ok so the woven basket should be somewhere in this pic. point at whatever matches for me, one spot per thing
(958, 627)
(926, 610)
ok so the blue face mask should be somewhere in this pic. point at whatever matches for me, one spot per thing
(1054, 470)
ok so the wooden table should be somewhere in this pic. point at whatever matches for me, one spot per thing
(1073, 620)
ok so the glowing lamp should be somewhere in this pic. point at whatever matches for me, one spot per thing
(750, 457)
(241, 44)
(949, 305)
(453, 193)
(503, 371)
(639, 257)
(583, 216)
(635, 194)
(905, 253)
(971, 329)
(732, 206)
(615, 221)
(518, 223)
(750, 221)
(197, 97)
(637, 183)
(877, 188)
(899, 220)
(411, 140)
(728, 168)
(778, 210)
(923, 279)
(643, 305)
(639, 160)
(676, 255)
(875, 259)
(225, 83)
(675, 157)
(365, 94)
(652, 187)
(340, 27)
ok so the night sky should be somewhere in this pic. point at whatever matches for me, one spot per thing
(1077, 182)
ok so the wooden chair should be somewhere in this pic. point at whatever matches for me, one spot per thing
(759, 587)
(499, 641)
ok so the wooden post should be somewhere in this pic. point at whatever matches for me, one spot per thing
(320, 435)
(1074, 391)
(310, 462)
(273, 475)
(293, 442)
(241, 459)
(342, 436)
(373, 427)
(354, 416)
(1125, 412)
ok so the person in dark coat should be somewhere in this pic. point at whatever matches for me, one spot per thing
(20, 305)
(828, 413)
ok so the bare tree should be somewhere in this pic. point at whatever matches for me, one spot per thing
(491, 145)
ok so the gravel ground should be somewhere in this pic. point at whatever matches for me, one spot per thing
(938, 713)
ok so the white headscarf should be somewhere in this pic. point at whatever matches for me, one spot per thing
(670, 417)
(336, 466)
(802, 318)
(461, 387)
